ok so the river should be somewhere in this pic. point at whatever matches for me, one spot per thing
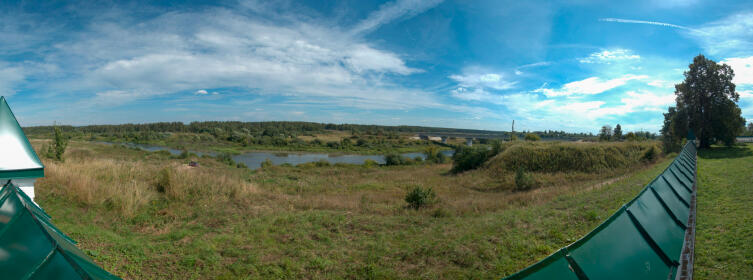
(254, 159)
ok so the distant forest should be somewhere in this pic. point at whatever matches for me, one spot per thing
(234, 130)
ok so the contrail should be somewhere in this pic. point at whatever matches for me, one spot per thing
(651, 23)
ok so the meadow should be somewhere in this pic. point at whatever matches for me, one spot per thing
(148, 215)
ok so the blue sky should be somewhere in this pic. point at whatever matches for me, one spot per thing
(561, 65)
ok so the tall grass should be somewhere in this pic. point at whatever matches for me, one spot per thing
(126, 186)
(569, 157)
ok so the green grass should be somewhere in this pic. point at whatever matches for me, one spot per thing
(724, 230)
(335, 222)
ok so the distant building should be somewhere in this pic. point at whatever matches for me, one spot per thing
(415, 137)
(744, 139)
(435, 138)
(469, 142)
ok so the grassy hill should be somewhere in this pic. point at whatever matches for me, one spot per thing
(148, 215)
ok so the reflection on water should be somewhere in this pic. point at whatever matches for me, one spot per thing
(254, 159)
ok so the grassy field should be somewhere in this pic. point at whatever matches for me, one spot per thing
(148, 216)
(724, 241)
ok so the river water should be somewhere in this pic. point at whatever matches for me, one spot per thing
(254, 159)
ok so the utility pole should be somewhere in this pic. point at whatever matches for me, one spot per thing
(512, 133)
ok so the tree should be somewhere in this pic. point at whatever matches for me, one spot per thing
(617, 132)
(750, 129)
(605, 134)
(675, 129)
(706, 105)
(59, 144)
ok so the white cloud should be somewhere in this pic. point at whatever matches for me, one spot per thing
(609, 56)
(475, 94)
(743, 67)
(661, 83)
(392, 11)
(592, 85)
(201, 92)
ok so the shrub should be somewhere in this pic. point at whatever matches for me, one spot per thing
(651, 154)
(322, 163)
(418, 159)
(266, 163)
(183, 154)
(433, 154)
(466, 158)
(532, 137)
(225, 158)
(370, 163)
(164, 180)
(419, 197)
(393, 159)
(523, 180)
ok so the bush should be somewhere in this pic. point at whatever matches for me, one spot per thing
(419, 197)
(466, 158)
(164, 180)
(266, 163)
(393, 159)
(433, 154)
(532, 137)
(226, 158)
(652, 154)
(370, 163)
(523, 180)
(322, 163)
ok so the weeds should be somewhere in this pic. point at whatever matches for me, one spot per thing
(420, 197)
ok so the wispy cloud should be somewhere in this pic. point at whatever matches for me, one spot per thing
(650, 23)
(111, 61)
(730, 36)
(609, 56)
(588, 86)
(393, 11)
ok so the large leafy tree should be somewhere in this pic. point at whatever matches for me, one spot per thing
(617, 132)
(706, 105)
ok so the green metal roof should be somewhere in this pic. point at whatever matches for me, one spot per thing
(31, 247)
(17, 157)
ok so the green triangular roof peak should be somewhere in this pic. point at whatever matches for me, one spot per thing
(17, 157)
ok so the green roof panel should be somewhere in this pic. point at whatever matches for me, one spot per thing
(33, 249)
(18, 158)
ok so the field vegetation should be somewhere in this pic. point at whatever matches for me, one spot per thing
(725, 213)
(149, 215)
(236, 137)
